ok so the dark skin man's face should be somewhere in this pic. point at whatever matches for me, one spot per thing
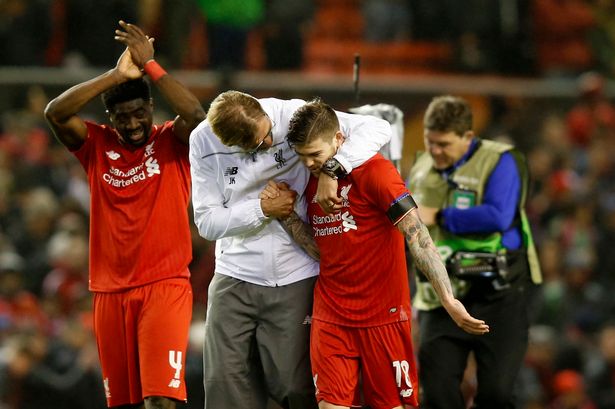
(133, 120)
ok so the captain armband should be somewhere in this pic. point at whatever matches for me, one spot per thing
(401, 207)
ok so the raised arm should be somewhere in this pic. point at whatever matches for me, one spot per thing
(426, 258)
(184, 103)
(61, 112)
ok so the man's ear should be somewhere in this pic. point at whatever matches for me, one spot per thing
(339, 138)
(467, 135)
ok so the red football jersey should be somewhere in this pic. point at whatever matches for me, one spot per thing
(363, 278)
(139, 228)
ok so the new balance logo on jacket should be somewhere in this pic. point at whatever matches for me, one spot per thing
(231, 170)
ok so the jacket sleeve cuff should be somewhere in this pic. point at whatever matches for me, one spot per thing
(259, 211)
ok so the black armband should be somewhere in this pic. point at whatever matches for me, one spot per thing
(400, 207)
(334, 169)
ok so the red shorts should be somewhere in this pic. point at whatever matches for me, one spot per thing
(381, 355)
(142, 336)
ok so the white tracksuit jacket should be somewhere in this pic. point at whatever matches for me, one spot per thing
(226, 182)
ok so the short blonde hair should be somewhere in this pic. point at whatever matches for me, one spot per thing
(233, 117)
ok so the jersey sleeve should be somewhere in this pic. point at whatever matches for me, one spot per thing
(85, 153)
(387, 190)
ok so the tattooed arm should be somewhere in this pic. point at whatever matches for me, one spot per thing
(302, 233)
(426, 258)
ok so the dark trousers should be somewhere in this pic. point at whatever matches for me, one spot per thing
(444, 350)
(257, 345)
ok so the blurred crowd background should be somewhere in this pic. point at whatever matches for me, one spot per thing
(48, 356)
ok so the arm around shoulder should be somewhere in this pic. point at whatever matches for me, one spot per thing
(366, 136)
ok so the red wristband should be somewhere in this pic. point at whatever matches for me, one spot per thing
(154, 70)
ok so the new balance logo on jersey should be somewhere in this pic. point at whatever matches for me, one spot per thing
(406, 393)
(348, 222)
(279, 158)
(113, 155)
(152, 167)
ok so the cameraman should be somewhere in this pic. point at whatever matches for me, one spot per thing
(471, 194)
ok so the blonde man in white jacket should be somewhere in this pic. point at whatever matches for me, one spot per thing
(260, 299)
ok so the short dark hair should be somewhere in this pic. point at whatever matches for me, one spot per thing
(127, 91)
(312, 120)
(447, 113)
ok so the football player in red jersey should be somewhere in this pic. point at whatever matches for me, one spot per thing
(140, 243)
(361, 319)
